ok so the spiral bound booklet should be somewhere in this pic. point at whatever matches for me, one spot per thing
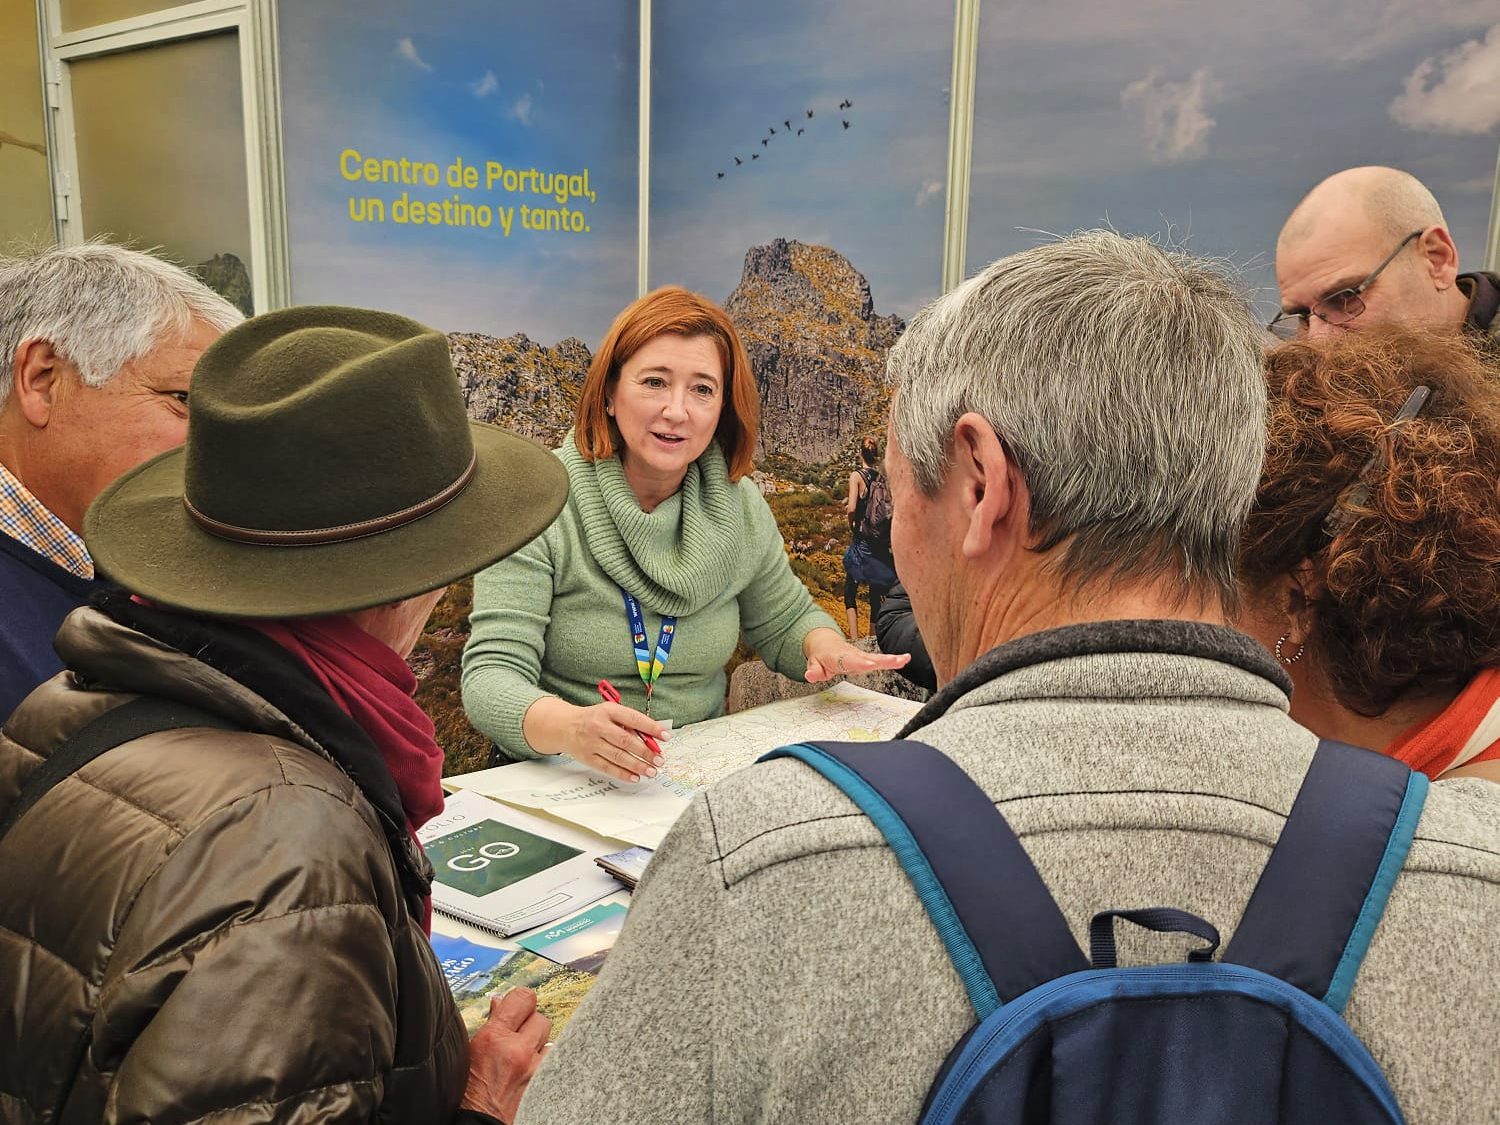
(507, 871)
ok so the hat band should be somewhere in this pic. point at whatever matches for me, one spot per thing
(341, 534)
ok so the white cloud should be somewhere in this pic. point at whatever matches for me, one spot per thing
(1175, 114)
(1377, 30)
(484, 87)
(524, 110)
(931, 189)
(1454, 93)
(408, 51)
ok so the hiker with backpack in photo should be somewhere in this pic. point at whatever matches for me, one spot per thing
(962, 925)
(867, 562)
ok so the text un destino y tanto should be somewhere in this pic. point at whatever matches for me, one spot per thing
(479, 196)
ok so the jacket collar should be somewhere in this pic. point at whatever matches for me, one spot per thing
(1101, 638)
(1484, 300)
(245, 676)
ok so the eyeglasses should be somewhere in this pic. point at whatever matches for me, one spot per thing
(1356, 494)
(1338, 308)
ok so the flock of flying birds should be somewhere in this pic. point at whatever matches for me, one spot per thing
(787, 131)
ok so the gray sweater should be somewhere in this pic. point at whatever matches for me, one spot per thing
(777, 966)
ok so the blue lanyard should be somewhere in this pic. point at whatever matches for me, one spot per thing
(650, 665)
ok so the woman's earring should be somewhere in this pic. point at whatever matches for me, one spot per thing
(1289, 661)
(609, 409)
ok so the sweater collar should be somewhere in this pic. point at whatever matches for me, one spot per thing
(1099, 638)
(675, 559)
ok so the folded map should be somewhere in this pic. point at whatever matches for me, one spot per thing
(696, 756)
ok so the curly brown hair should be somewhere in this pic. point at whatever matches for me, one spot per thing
(1406, 594)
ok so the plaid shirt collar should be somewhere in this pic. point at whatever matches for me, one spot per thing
(28, 521)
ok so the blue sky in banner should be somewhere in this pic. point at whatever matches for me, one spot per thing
(1207, 123)
(724, 73)
(544, 84)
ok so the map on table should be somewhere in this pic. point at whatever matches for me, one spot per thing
(696, 756)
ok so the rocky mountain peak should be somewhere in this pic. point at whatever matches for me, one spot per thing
(519, 384)
(818, 349)
(810, 277)
(227, 276)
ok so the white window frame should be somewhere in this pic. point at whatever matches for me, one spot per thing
(254, 22)
(960, 141)
(1492, 243)
(643, 143)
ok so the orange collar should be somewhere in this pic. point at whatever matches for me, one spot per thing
(1433, 747)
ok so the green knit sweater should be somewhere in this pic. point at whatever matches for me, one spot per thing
(551, 619)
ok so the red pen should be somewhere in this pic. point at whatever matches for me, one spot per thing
(611, 694)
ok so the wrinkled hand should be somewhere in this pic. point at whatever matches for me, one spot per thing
(504, 1054)
(603, 737)
(830, 655)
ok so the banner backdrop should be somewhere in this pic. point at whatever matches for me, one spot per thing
(798, 156)
(470, 163)
(1205, 124)
(823, 123)
(473, 163)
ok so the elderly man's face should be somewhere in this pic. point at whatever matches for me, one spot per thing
(98, 433)
(1341, 253)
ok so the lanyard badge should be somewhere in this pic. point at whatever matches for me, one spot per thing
(649, 663)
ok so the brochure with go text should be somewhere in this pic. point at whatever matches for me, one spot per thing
(507, 871)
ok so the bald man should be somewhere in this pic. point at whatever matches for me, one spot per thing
(1369, 246)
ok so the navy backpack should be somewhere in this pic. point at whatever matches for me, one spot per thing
(1255, 1036)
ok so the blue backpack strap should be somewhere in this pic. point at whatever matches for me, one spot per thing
(1000, 925)
(1321, 895)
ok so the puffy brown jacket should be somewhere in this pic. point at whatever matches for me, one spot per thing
(207, 924)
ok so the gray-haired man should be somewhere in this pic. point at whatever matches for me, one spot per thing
(1075, 439)
(98, 344)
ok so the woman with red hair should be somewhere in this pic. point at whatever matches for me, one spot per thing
(1371, 560)
(665, 555)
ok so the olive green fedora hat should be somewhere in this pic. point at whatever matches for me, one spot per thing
(329, 466)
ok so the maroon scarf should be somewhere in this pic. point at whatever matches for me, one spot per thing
(374, 687)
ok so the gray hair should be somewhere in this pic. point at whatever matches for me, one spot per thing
(1126, 382)
(101, 306)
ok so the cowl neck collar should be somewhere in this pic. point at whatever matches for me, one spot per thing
(674, 559)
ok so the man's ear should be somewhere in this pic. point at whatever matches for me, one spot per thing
(1439, 257)
(36, 373)
(981, 470)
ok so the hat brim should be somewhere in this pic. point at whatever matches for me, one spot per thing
(141, 536)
